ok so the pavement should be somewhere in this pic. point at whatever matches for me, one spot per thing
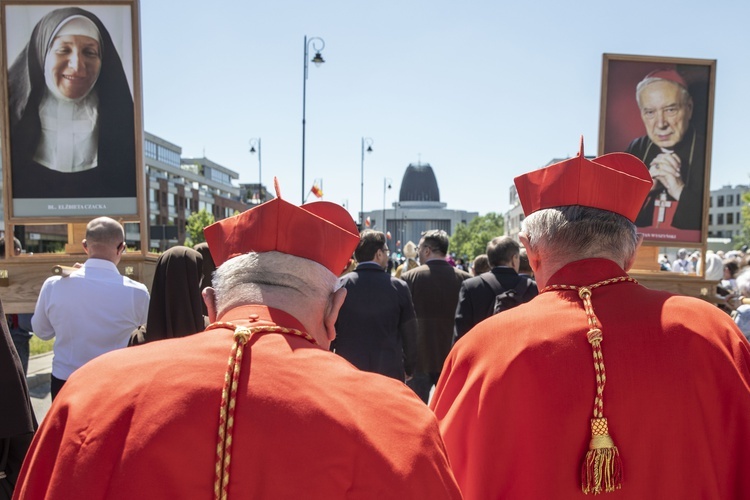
(38, 380)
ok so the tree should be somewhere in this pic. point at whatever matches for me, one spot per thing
(470, 240)
(194, 226)
(744, 237)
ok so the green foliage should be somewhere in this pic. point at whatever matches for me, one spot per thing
(194, 227)
(470, 240)
(39, 346)
(744, 238)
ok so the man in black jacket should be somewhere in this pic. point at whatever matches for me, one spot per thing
(476, 298)
(376, 329)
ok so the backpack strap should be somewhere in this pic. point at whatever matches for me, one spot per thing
(522, 287)
(493, 283)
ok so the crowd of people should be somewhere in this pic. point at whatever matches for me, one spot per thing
(305, 373)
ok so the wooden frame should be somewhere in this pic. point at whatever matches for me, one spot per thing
(623, 128)
(81, 201)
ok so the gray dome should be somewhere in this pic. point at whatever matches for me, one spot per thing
(419, 184)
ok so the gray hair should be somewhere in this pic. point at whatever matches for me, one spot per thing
(271, 278)
(575, 232)
(684, 94)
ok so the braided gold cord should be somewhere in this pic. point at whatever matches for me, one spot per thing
(602, 467)
(229, 396)
(594, 335)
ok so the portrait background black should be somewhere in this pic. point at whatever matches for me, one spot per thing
(115, 175)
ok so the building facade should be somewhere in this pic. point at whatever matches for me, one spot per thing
(418, 209)
(725, 211)
(177, 187)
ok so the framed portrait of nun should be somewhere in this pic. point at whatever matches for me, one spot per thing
(72, 102)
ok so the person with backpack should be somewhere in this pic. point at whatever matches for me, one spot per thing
(495, 291)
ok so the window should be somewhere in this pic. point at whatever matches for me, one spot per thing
(730, 200)
(720, 201)
(730, 218)
(150, 150)
(167, 156)
(710, 219)
(720, 219)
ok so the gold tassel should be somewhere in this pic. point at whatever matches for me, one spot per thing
(602, 467)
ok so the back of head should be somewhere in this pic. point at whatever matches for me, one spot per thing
(501, 250)
(438, 240)
(481, 264)
(571, 233)
(410, 250)
(273, 279)
(582, 208)
(17, 248)
(208, 264)
(175, 308)
(370, 241)
(732, 266)
(104, 231)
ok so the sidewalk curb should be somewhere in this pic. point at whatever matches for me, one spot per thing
(40, 370)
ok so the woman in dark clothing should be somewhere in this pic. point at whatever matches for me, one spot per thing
(17, 421)
(175, 308)
(71, 112)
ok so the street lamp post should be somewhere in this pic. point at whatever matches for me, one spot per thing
(386, 183)
(366, 141)
(253, 143)
(318, 44)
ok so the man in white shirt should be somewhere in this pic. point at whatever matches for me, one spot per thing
(681, 263)
(95, 309)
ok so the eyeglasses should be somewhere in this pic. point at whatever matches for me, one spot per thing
(386, 251)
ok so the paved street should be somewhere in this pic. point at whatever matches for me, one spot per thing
(38, 379)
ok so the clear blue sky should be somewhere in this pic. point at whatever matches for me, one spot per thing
(481, 90)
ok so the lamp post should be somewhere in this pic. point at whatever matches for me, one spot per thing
(318, 44)
(253, 143)
(366, 141)
(386, 182)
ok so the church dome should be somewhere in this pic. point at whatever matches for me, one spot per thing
(419, 184)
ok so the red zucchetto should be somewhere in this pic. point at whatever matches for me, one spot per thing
(616, 182)
(321, 231)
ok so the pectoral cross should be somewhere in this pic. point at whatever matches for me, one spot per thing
(662, 204)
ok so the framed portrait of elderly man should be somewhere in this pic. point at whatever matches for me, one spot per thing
(661, 110)
(71, 96)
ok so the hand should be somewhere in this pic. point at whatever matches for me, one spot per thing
(665, 168)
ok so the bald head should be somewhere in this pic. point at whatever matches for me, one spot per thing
(105, 239)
